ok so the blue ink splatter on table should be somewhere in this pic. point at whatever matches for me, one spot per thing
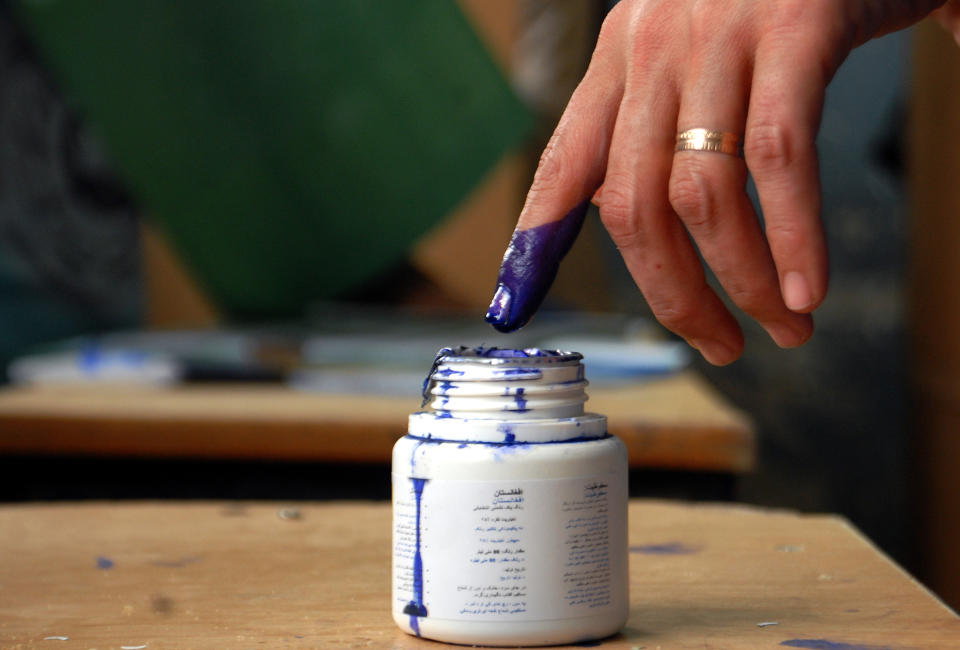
(826, 644)
(668, 548)
(104, 562)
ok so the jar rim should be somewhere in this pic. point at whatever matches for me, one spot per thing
(497, 355)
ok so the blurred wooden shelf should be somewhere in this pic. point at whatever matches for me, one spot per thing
(678, 422)
(237, 575)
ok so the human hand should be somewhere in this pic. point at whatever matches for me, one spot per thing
(949, 17)
(752, 67)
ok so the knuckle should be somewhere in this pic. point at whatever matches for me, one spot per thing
(788, 15)
(554, 169)
(618, 214)
(705, 19)
(613, 20)
(649, 31)
(674, 312)
(786, 236)
(691, 193)
(823, 28)
(749, 297)
(768, 148)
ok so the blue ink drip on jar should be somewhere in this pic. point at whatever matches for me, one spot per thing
(518, 373)
(509, 441)
(415, 608)
(509, 437)
(520, 400)
(413, 458)
(529, 268)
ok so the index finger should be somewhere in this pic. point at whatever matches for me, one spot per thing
(571, 168)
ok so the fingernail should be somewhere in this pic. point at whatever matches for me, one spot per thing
(498, 314)
(597, 196)
(796, 291)
(715, 352)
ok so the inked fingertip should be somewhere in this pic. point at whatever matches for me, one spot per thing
(498, 314)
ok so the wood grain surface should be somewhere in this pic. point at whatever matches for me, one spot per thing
(240, 575)
(678, 422)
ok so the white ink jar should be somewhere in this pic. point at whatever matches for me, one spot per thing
(509, 505)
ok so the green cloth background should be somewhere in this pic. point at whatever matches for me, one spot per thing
(290, 149)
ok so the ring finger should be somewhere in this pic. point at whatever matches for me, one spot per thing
(707, 191)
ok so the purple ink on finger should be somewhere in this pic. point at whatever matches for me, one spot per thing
(529, 268)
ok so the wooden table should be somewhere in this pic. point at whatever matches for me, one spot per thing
(678, 422)
(238, 575)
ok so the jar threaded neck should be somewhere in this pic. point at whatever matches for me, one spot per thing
(506, 384)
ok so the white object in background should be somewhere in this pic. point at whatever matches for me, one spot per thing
(509, 506)
(614, 358)
(94, 364)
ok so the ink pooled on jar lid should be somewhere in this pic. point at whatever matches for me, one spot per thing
(502, 461)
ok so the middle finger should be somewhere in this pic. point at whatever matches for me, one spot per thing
(707, 192)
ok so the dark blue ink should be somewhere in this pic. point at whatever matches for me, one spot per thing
(519, 399)
(509, 437)
(441, 354)
(529, 268)
(511, 443)
(518, 373)
(413, 454)
(416, 607)
(104, 562)
(825, 644)
(669, 548)
(513, 353)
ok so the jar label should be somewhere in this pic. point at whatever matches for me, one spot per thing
(509, 550)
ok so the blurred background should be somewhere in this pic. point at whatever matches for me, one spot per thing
(316, 196)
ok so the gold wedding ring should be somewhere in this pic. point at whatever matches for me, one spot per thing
(710, 140)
